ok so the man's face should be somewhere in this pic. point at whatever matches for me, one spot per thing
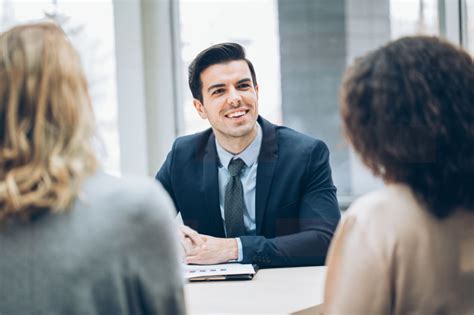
(230, 100)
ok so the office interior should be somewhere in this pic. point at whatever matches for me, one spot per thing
(136, 52)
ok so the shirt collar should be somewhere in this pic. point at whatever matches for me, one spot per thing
(249, 155)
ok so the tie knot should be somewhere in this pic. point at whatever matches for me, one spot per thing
(235, 166)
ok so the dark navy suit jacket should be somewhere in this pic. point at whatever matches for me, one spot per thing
(296, 206)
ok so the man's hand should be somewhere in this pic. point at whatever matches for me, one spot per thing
(190, 239)
(213, 251)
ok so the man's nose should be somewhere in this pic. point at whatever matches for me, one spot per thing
(234, 99)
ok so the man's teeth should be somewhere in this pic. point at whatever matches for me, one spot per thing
(237, 114)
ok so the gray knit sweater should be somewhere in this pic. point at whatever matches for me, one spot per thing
(114, 253)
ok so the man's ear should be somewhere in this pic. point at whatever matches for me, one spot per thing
(200, 108)
(256, 90)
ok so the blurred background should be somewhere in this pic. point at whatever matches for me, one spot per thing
(136, 52)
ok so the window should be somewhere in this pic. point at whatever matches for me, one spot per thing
(408, 17)
(90, 28)
(469, 34)
(375, 23)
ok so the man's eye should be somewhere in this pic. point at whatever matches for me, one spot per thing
(218, 91)
(244, 86)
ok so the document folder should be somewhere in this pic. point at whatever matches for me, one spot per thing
(233, 271)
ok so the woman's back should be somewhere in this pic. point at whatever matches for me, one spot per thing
(112, 253)
(409, 262)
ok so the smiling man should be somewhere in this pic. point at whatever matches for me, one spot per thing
(247, 190)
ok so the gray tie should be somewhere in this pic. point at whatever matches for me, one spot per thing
(234, 201)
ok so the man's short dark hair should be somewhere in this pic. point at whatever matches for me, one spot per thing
(408, 109)
(216, 54)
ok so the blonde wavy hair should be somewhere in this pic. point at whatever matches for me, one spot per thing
(46, 121)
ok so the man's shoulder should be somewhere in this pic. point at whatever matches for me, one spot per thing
(293, 135)
(297, 141)
(192, 144)
(193, 139)
(285, 133)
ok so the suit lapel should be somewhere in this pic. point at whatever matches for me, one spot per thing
(210, 188)
(267, 160)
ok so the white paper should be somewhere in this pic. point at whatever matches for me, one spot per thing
(179, 219)
(194, 271)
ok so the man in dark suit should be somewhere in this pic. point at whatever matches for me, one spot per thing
(247, 190)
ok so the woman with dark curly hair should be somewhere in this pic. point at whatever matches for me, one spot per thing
(408, 110)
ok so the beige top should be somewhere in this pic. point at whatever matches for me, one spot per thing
(391, 256)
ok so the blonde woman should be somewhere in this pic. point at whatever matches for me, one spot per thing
(72, 239)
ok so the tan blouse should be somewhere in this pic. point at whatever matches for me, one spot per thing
(391, 256)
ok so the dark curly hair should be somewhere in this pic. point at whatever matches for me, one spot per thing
(408, 110)
(219, 53)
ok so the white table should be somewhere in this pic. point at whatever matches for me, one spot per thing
(272, 291)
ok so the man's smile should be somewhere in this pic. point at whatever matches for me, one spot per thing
(237, 114)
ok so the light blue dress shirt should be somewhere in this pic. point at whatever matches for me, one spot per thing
(248, 176)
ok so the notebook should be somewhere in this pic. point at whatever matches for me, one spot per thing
(231, 271)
